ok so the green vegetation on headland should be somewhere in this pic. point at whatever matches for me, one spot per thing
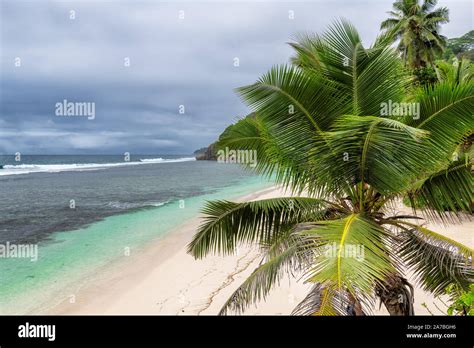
(319, 131)
(461, 47)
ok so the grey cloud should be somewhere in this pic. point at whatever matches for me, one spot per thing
(173, 62)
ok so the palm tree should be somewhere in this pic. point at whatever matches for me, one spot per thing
(317, 131)
(417, 26)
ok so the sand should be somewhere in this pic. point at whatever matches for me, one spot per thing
(163, 279)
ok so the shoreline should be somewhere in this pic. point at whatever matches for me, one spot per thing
(162, 279)
(103, 293)
(70, 260)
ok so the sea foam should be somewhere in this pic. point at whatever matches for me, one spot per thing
(55, 168)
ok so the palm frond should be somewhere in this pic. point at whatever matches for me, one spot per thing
(353, 255)
(383, 153)
(460, 71)
(446, 112)
(446, 193)
(365, 77)
(285, 255)
(287, 96)
(323, 300)
(436, 260)
(292, 108)
(228, 223)
(252, 134)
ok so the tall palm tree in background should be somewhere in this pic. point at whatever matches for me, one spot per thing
(317, 131)
(417, 25)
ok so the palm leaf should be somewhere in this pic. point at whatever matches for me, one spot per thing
(353, 257)
(323, 300)
(437, 261)
(460, 71)
(285, 255)
(287, 95)
(284, 167)
(446, 112)
(384, 153)
(228, 223)
(446, 192)
(365, 77)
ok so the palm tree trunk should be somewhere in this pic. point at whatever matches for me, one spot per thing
(354, 307)
(396, 293)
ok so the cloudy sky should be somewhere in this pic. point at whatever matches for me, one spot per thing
(47, 56)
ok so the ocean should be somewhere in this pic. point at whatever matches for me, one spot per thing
(83, 212)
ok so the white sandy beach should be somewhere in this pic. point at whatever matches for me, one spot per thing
(164, 279)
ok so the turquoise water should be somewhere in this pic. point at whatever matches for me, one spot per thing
(67, 257)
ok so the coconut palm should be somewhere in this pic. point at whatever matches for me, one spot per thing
(317, 131)
(417, 26)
